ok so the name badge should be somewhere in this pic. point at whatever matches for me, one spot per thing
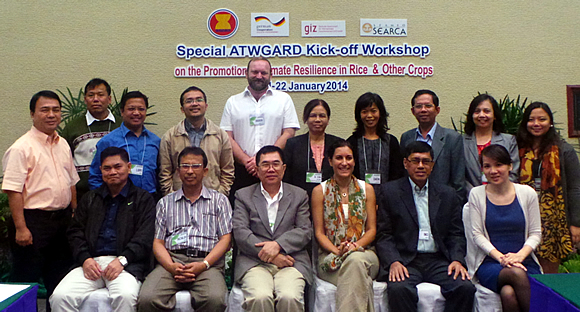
(257, 120)
(179, 239)
(423, 235)
(137, 169)
(373, 178)
(313, 177)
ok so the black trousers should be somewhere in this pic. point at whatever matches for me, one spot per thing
(431, 268)
(49, 256)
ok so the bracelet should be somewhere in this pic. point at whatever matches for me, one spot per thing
(207, 266)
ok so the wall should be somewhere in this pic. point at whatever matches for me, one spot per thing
(502, 47)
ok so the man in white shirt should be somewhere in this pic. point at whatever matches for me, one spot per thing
(257, 117)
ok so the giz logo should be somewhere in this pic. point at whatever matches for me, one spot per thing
(309, 29)
(367, 27)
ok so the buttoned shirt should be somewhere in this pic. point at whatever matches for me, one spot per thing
(258, 123)
(107, 239)
(195, 135)
(426, 242)
(430, 134)
(198, 225)
(143, 150)
(42, 169)
(273, 203)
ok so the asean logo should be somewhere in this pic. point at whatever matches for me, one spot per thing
(367, 27)
(222, 23)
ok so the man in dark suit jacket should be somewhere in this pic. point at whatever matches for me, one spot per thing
(271, 228)
(420, 237)
(449, 168)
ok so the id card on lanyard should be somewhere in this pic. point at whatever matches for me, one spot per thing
(372, 176)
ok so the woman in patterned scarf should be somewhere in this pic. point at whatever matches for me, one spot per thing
(550, 166)
(344, 215)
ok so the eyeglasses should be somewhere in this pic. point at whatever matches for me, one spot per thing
(198, 100)
(266, 165)
(425, 161)
(427, 106)
(193, 166)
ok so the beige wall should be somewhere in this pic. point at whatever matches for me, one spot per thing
(503, 47)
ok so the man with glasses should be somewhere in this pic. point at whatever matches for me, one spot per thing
(83, 132)
(196, 130)
(420, 236)
(141, 144)
(192, 235)
(272, 228)
(447, 144)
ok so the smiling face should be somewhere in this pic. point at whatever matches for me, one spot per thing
(134, 113)
(342, 162)
(97, 100)
(539, 122)
(115, 171)
(495, 172)
(258, 75)
(483, 116)
(193, 172)
(194, 105)
(425, 110)
(46, 116)
(317, 120)
(271, 169)
(370, 116)
(419, 166)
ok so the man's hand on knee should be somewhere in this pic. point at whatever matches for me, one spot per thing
(398, 272)
(91, 269)
(113, 270)
(269, 251)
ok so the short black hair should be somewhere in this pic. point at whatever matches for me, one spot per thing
(95, 82)
(192, 88)
(192, 150)
(311, 105)
(133, 95)
(367, 100)
(44, 93)
(498, 126)
(267, 150)
(338, 143)
(496, 152)
(417, 147)
(425, 91)
(114, 151)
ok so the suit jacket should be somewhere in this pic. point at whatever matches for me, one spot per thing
(135, 228)
(292, 229)
(472, 166)
(296, 159)
(448, 154)
(398, 224)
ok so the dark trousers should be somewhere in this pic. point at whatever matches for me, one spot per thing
(49, 256)
(241, 180)
(431, 268)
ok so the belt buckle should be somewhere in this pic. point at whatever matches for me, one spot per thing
(192, 253)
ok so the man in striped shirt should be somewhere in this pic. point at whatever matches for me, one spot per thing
(192, 234)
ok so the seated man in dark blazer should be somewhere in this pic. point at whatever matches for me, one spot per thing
(420, 236)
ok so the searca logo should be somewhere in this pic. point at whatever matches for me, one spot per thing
(264, 18)
(222, 23)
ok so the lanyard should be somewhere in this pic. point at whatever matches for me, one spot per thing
(144, 146)
(308, 155)
(365, 153)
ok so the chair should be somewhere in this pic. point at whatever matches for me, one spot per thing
(98, 301)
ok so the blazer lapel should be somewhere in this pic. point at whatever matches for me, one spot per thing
(471, 145)
(406, 195)
(262, 208)
(438, 142)
(283, 205)
(434, 204)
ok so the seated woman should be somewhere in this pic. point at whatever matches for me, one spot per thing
(344, 216)
(506, 227)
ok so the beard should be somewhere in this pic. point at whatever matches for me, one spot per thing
(258, 84)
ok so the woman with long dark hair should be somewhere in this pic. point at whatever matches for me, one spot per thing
(550, 166)
(377, 153)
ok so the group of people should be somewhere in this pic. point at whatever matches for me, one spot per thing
(153, 214)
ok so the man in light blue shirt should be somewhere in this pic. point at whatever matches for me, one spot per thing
(141, 144)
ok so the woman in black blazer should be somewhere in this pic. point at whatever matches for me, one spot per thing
(377, 153)
(306, 165)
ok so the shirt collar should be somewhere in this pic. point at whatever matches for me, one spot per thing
(248, 93)
(205, 194)
(90, 118)
(190, 127)
(124, 192)
(126, 130)
(45, 138)
(417, 190)
(431, 132)
(267, 195)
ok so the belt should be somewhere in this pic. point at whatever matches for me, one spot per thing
(194, 253)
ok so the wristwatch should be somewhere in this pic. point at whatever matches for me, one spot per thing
(207, 266)
(123, 260)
